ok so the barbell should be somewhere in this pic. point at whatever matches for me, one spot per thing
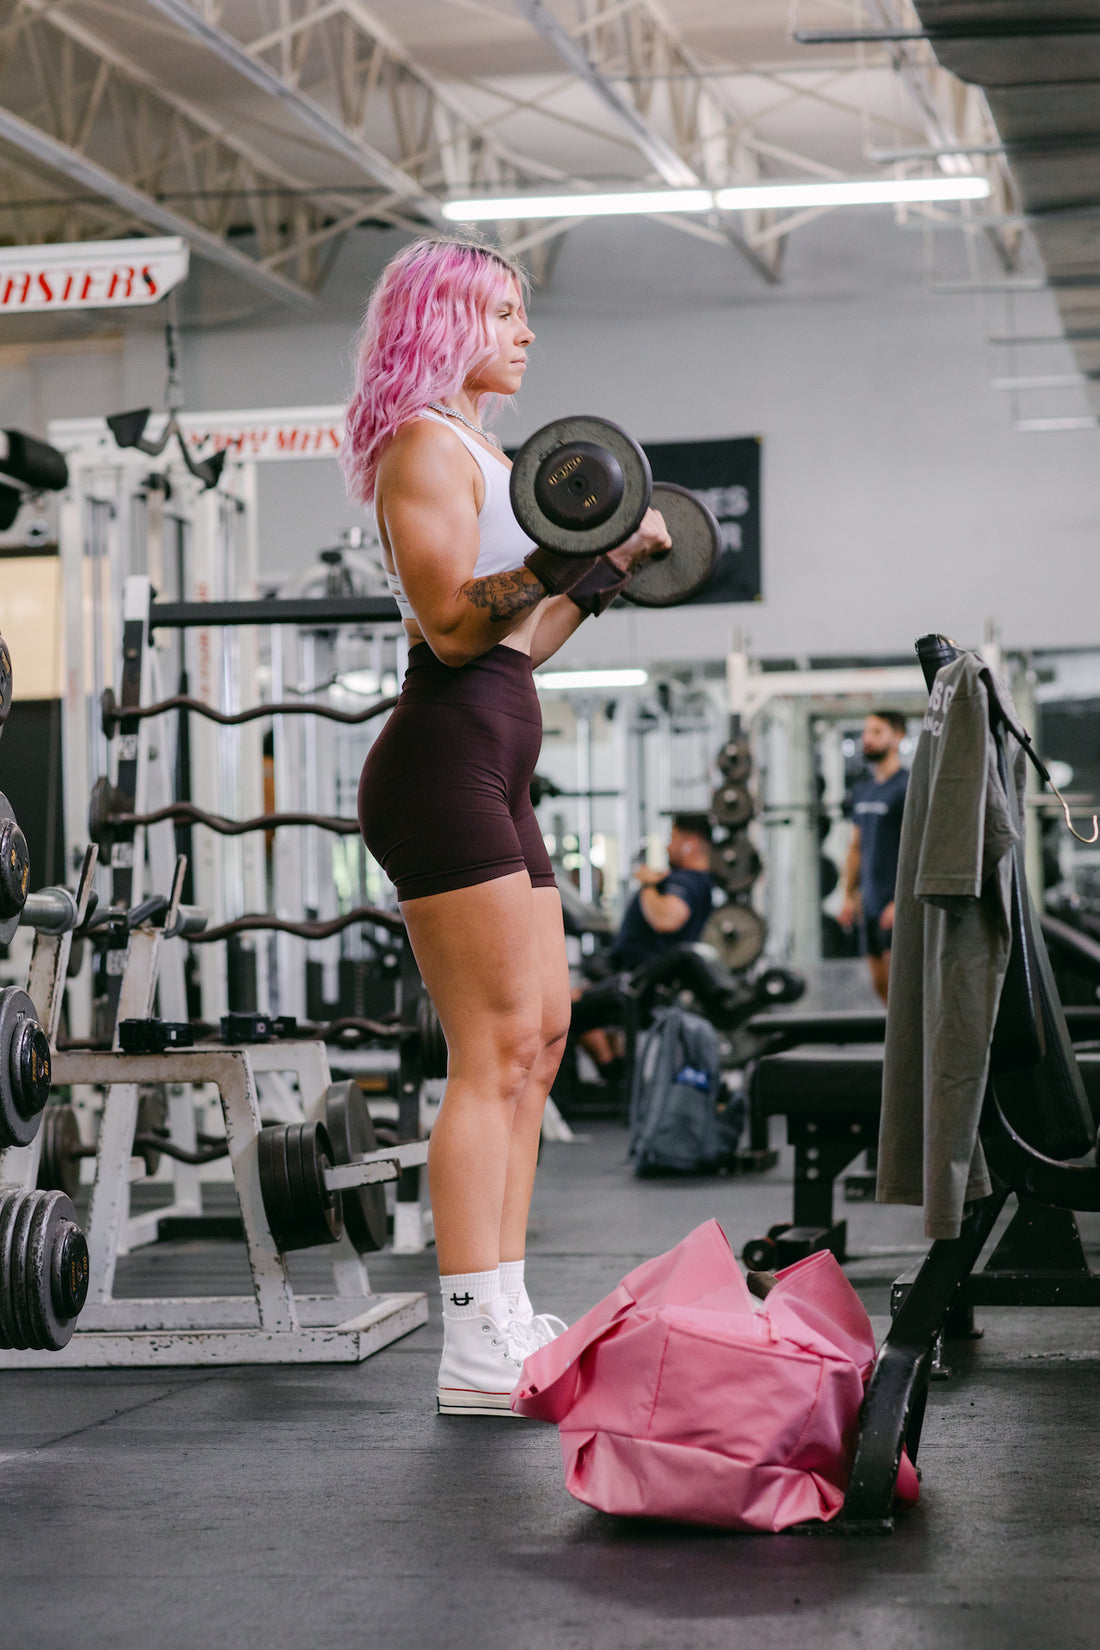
(581, 485)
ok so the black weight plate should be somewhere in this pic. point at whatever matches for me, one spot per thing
(737, 933)
(351, 1132)
(54, 1219)
(732, 806)
(318, 1212)
(15, 1128)
(20, 1241)
(275, 1185)
(433, 1044)
(17, 874)
(59, 1164)
(317, 1158)
(696, 546)
(759, 1254)
(9, 1208)
(5, 682)
(780, 985)
(735, 863)
(735, 761)
(579, 486)
(105, 802)
(531, 462)
(15, 869)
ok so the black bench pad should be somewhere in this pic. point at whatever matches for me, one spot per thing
(847, 1081)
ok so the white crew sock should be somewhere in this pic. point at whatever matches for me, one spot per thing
(513, 1287)
(464, 1293)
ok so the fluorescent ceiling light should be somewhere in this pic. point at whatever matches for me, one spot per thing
(741, 198)
(580, 206)
(852, 192)
(591, 678)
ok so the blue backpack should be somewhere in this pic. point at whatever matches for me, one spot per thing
(682, 1120)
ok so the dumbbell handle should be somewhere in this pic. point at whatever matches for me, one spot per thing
(49, 911)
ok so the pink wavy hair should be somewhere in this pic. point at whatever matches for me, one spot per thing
(426, 330)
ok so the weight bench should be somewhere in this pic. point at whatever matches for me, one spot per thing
(1039, 1140)
(831, 1098)
(823, 1072)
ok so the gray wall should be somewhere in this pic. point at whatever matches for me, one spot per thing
(897, 496)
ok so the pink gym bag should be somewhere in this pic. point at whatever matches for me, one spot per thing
(681, 1396)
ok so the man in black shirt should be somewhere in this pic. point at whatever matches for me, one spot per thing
(877, 804)
(669, 909)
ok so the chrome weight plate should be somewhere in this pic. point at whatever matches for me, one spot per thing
(696, 545)
(580, 486)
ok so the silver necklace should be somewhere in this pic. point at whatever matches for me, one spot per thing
(450, 412)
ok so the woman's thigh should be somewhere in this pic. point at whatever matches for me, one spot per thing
(479, 954)
(553, 964)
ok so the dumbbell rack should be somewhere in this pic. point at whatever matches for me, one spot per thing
(271, 1325)
(268, 1326)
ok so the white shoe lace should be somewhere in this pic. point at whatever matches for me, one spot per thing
(546, 1327)
(518, 1340)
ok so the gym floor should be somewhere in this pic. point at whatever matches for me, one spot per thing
(291, 1506)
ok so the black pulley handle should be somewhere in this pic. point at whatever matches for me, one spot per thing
(933, 652)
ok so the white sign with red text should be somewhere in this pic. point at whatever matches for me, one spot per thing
(275, 433)
(36, 280)
(266, 435)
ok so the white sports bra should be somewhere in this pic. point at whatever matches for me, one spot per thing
(502, 541)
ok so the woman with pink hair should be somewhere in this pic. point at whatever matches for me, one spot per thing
(444, 801)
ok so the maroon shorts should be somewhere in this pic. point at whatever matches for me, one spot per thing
(444, 799)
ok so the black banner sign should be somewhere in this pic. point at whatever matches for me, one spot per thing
(726, 475)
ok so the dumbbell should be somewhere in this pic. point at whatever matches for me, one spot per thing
(24, 1068)
(580, 486)
(43, 1269)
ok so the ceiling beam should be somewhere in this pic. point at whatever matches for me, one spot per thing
(32, 140)
(657, 150)
(307, 111)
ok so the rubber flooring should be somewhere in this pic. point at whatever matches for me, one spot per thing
(282, 1507)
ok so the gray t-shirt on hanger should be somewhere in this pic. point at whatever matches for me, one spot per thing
(951, 944)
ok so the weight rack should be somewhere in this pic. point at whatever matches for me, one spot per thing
(271, 1325)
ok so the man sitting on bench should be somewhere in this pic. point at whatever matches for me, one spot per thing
(670, 909)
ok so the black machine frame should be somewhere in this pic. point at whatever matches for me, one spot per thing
(1038, 1137)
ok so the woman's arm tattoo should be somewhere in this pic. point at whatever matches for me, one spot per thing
(505, 594)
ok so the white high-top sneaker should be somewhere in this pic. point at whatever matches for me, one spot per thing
(482, 1360)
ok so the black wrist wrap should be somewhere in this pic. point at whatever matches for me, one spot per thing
(600, 585)
(557, 573)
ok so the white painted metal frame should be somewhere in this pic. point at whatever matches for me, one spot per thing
(271, 1325)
